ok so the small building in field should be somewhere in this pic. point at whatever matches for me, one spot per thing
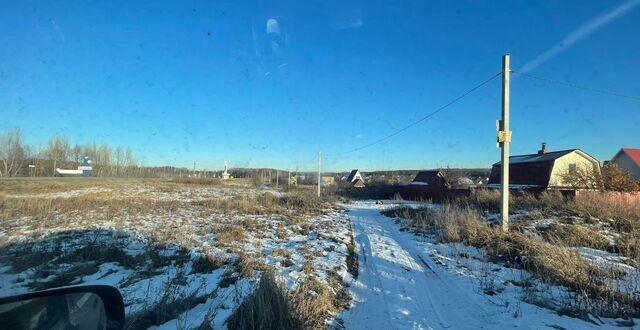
(328, 180)
(355, 179)
(83, 170)
(564, 170)
(628, 160)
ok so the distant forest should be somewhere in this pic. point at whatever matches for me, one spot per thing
(18, 159)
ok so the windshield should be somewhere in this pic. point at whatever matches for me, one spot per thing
(325, 164)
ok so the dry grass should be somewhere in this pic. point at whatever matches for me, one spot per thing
(593, 208)
(48, 208)
(229, 234)
(313, 302)
(136, 206)
(172, 303)
(309, 306)
(576, 236)
(295, 203)
(267, 308)
(17, 186)
(281, 253)
(551, 263)
(198, 181)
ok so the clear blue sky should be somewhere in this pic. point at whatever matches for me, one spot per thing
(272, 83)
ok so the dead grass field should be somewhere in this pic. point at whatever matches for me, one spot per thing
(61, 232)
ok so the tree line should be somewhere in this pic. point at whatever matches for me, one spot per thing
(20, 159)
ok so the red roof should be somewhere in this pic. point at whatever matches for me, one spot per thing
(634, 154)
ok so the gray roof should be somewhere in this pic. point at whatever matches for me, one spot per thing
(352, 175)
(537, 158)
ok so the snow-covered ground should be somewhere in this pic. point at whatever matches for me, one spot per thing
(151, 255)
(405, 281)
(411, 282)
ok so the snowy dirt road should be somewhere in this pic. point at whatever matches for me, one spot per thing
(402, 286)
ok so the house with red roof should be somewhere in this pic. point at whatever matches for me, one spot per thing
(628, 160)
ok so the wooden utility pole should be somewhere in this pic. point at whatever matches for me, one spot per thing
(277, 179)
(504, 138)
(319, 166)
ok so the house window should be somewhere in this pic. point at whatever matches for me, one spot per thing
(573, 169)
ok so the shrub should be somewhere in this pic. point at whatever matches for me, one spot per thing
(614, 179)
(267, 308)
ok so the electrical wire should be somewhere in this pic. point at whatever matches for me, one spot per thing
(569, 84)
(431, 114)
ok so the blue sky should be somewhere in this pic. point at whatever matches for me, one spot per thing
(271, 84)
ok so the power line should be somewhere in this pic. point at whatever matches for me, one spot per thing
(569, 84)
(426, 116)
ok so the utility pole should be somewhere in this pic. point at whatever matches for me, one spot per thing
(504, 138)
(277, 179)
(289, 179)
(319, 167)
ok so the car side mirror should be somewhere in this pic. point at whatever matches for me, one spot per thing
(79, 307)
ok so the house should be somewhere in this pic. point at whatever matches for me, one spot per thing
(355, 179)
(565, 169)
(83, 170)
(434, 179)
(628, 160)
(431, 185)
(358, 183)
(328, 180)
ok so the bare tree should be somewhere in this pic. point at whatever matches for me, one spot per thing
(13, 152)
(76, 154)
(58, 152)
(582, 178)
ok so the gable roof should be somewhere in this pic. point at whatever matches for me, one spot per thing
(431, 178)
(634, 154)
(352, 175)
(538, 158)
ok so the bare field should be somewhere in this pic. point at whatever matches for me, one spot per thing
(184, 253)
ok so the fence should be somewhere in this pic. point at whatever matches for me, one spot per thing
(619, 199)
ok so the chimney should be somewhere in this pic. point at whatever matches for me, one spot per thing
(543, 150)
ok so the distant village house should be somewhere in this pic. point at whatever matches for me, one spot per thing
(628, 160)
(328, 180)
(355, 179)
(434, 179)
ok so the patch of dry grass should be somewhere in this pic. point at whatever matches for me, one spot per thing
(267, 308)
(48, 208)
(551, 263)
(576, 236)
(292, 205)
(229, 234)
(19, 186)
(313, 302)
(309, 306)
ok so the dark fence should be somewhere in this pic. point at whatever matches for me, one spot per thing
(430, 193)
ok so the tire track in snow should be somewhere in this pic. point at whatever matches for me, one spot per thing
(415, 293)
